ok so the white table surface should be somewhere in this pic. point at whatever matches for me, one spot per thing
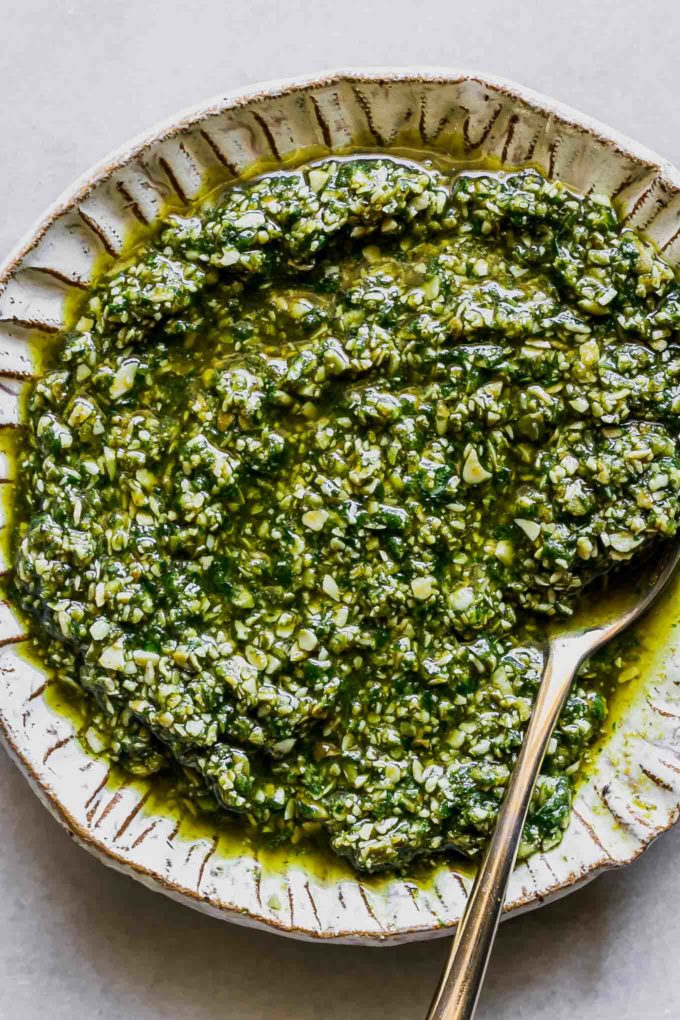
(77, 940)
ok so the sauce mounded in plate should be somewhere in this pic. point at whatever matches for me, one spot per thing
(306, 482)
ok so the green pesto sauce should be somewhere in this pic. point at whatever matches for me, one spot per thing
(312, 473)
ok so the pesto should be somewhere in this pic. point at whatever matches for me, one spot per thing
(320, 459)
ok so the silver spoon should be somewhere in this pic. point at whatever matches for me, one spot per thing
(570, 643)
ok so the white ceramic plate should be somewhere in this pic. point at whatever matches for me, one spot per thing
(633, 792)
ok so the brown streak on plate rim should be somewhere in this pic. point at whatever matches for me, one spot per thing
(187, 155)
(546, 861)
(257, 878)
(98, 231)
(461, 883)
(133, 814)
(146, 832)
(662, 711)
(658, 207)
(533, 879)
(625, 183)
(627, 823)
(217, 152)
(174, 832)
(56, 274)
(669, 765)
(365, 107)
(674, 237)
(369, 908)
(413, 893)
(532, 147)
(40, 326)
(509, 134)
(115, 800)
(17, 377)
(591, 832)
(471, 145)
(211, 851)
(657, 780)
(439, 894)
(174, 180)
(422, 119)
(322, 122)
(132, 204)
(16, 639)
(313, 904)
(56, 747)
(640, 200)
(99, 788)
(268, 134)
(552, 151)
(40, 690)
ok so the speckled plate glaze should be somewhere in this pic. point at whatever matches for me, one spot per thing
(632, 793)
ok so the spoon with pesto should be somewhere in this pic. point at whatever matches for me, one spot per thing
(570, 643)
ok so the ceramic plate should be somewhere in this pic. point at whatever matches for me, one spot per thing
(631, 794)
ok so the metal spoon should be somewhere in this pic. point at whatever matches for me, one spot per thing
(570, 643)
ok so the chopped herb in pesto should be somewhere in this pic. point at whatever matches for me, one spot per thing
(319, 460)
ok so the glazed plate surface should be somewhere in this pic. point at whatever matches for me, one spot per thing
(629, 796)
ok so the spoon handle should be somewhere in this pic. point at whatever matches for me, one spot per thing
(460, 984)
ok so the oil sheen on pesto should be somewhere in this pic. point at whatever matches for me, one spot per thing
(320, 459)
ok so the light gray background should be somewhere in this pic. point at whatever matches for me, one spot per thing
(76, 940)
